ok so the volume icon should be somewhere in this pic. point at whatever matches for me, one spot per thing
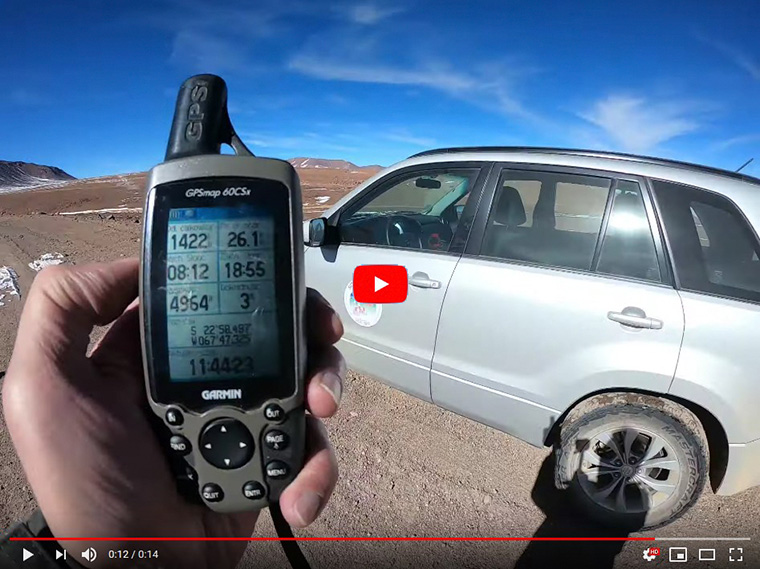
(90, 554)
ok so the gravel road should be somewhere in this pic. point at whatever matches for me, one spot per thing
(407, 467)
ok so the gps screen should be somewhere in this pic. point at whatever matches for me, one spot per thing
(220, 294)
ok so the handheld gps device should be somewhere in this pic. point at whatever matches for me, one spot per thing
(222, 308)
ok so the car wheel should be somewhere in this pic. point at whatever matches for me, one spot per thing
(632, 466)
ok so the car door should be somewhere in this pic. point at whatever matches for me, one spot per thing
(562, 291)
(411, 217)
(716, 254)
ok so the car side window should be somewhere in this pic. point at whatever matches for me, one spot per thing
(419, 210)
(628, 248)
(546, 218)
(714, 249)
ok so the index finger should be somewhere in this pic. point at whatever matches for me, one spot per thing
(66, 302)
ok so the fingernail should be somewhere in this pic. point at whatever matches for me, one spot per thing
(332, 384)
(307, 506)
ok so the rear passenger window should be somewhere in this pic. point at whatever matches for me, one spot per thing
(628, 247)
(714, 249)
(546, 218)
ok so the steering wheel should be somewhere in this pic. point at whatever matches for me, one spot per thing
(402, 231)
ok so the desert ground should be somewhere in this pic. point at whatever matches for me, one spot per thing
(407, 467)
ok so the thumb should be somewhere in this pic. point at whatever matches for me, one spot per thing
(65, 303)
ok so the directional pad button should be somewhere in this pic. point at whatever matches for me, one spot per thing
(226, 444)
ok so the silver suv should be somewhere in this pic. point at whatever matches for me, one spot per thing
(604, 304)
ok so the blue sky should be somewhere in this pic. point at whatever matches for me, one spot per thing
(89, 85)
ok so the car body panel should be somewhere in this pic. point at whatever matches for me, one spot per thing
(719, 362)
(399, 347)
(542, 338)
(742, 470)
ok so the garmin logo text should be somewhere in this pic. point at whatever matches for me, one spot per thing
(212, 394)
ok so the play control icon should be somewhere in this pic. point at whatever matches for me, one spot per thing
(26, 554)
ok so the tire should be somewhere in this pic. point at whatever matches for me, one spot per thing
(665, 468)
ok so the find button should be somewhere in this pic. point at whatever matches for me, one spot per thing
(180, 445)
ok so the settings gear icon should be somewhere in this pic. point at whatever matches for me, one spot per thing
(650, 553)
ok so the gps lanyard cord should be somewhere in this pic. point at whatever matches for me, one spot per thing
(289, 546)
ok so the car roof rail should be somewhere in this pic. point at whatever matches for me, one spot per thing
(593, 154)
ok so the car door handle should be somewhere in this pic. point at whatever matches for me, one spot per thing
(421, 280)
(635, 318)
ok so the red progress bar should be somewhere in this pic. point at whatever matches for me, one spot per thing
(332, 539)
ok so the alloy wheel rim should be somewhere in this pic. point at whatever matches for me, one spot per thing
(629, 470)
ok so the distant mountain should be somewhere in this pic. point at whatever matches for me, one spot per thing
(18, 176)
(332, 164)
(23, 175)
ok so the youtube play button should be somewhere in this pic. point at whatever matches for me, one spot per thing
(380, 284)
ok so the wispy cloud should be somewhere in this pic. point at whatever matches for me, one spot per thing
(636, 124)
(308, 141)
(336, 99)
(737, 141)
(368, 13)
(411, 140)
(219, 38)
(488, 86)
(28, 98)
(735, 54)
(202, 51)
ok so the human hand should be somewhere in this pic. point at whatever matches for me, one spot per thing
(81, 430)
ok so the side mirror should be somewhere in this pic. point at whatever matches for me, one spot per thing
(314, 235)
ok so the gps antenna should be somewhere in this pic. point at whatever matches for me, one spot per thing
(201, 122)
